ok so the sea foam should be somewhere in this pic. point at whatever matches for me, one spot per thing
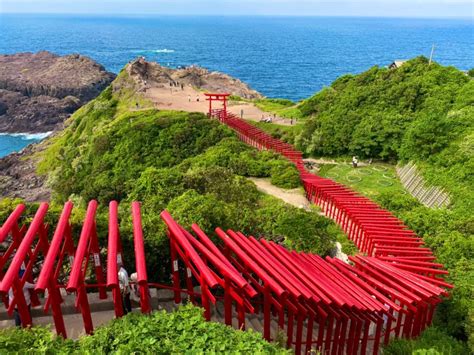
(28, 136)
(163, 50)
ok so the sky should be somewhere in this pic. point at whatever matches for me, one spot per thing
(385, 8)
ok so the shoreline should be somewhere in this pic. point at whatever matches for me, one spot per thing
(28, 135)
(19, 142)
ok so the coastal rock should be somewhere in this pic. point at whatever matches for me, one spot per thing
(39, 91)
(200, 78)
(18, 178)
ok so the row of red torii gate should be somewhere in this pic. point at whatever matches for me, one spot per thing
(389, 290)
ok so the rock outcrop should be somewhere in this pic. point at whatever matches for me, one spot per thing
(155, 75)
(18, 176)
(39, 91)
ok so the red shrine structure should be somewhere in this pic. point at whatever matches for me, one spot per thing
(390, 290)
(219, 98)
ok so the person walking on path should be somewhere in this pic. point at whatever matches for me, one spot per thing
(26, 293)
(124, 285)
(242, 113)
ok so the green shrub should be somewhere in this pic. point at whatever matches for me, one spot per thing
(432, 341)
(182, 331)
(371, 114)
(36, 340)
(284, 174)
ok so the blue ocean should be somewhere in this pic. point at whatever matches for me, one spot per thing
(288, 57)
(10, 143)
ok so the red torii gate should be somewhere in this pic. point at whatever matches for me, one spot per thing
(319, 303)
(220, 98)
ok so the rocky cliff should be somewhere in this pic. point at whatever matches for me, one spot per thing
(200, 78)
(39, 91)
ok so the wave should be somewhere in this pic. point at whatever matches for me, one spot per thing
(163, 50)
(28, 136)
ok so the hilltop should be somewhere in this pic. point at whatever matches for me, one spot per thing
(152, 74)
(29, 106)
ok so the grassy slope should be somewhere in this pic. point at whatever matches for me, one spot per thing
(184, 162)
(371, 180)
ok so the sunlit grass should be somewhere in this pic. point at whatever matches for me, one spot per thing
(370, 180)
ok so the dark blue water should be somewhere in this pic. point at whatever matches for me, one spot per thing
(289, 57)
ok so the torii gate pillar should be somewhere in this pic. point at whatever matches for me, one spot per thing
(217, 97)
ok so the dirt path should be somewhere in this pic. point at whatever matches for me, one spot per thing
(186, 99)
(294, 197)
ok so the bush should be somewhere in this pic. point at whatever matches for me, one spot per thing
(432, 341)
(182, 331)
(36, 340)
(373, 113)
(284, 174)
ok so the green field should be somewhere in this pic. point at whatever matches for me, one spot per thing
(370, 180)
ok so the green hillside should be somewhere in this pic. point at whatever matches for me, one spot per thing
(422, 113)
(418, 112)
(184, 162)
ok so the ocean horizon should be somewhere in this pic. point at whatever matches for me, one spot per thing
(280, 56)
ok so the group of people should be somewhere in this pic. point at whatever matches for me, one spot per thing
(266, 119)
(176, 84)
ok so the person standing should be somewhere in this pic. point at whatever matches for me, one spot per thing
(124, 285)
(242, 113)
(26, 293)
(134, 291)
(355, 161)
